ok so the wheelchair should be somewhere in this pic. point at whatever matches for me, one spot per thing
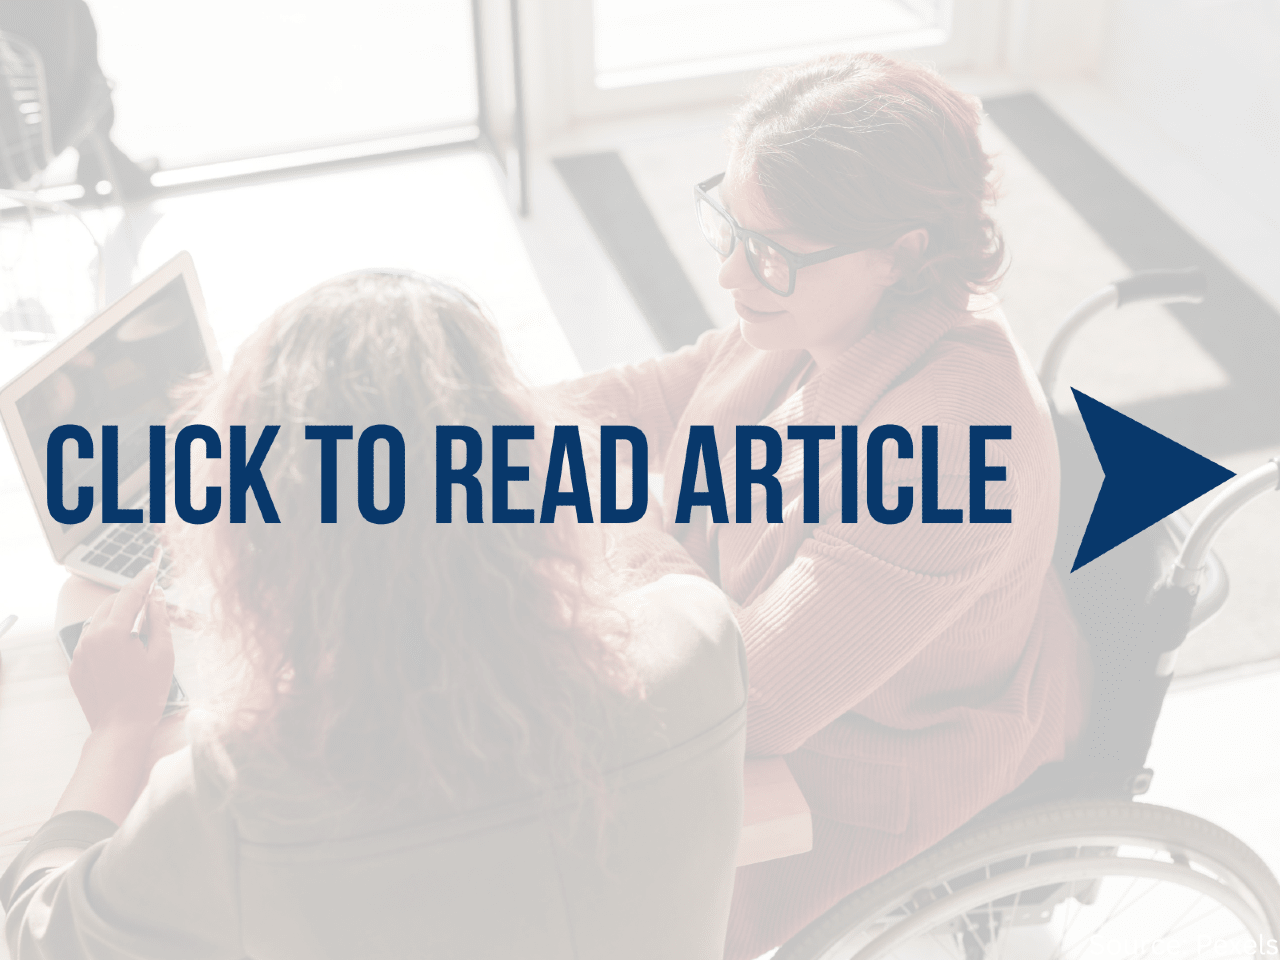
(1068, 866)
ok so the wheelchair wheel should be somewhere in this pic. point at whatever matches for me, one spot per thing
(1061, 881)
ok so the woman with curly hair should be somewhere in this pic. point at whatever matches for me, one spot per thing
(434, 739)
(910, 672)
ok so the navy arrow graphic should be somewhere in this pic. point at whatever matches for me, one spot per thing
(1146, 477)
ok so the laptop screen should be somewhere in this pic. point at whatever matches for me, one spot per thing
(126, 376)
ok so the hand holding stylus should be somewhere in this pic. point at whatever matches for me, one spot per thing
(119, 681)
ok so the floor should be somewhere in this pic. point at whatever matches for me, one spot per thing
(563, 308)
(1214, 755)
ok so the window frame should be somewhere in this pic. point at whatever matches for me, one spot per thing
(567, 39)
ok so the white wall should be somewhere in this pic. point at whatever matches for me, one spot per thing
(1054, 38)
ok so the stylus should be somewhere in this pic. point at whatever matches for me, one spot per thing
(141, 619)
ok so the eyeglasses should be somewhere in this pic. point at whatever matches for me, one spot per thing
(774, 266)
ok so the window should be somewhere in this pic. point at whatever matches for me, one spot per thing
(639, 43)
(203, 83)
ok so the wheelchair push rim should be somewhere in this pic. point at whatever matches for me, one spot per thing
(1064, 881)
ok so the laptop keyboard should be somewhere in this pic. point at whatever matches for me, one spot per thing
(125, 548)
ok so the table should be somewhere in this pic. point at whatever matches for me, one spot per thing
(42, 730)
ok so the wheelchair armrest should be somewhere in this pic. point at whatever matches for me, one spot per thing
(1214, 583)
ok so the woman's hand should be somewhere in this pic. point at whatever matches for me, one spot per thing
(122, 686)
(119, 682)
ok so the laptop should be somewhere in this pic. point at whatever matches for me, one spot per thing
(121, 368)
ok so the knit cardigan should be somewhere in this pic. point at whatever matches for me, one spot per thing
(911, 673)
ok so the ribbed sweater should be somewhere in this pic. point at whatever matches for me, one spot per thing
(911, 673)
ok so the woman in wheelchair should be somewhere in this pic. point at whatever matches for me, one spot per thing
(914, 673)
(444, 740)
